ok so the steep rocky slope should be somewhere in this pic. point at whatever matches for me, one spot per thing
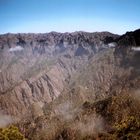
(130, 39)
(93, 111)
(101, 101)
(64, 83)
(37, 67)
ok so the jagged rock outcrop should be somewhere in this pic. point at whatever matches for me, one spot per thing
(130, 39)
(55, 42)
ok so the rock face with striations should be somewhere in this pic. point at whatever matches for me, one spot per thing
(37, 67)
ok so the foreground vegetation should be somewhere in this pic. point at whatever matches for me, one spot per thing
(11, 133)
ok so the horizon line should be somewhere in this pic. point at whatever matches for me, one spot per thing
(67, 32)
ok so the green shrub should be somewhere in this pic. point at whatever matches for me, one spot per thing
(11, 133)
(128, 128)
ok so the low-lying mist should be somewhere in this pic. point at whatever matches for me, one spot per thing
(5, 120)
(16, 48)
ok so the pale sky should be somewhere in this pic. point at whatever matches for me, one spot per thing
(41, 16)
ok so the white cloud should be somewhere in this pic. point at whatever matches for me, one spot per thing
(112, 45)
(136, 48)
(17, 48)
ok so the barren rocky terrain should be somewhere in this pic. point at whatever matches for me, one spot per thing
(71, 86)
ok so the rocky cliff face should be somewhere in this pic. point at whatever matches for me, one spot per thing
(102, 97)
(37, 67)
(100, 100)
(130, 39)
(59, 80)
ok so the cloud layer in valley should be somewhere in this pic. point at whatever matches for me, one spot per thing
(17, 48)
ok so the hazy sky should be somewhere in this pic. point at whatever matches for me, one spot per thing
(117, 16)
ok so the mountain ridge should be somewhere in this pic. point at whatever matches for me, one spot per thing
(57, 79)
